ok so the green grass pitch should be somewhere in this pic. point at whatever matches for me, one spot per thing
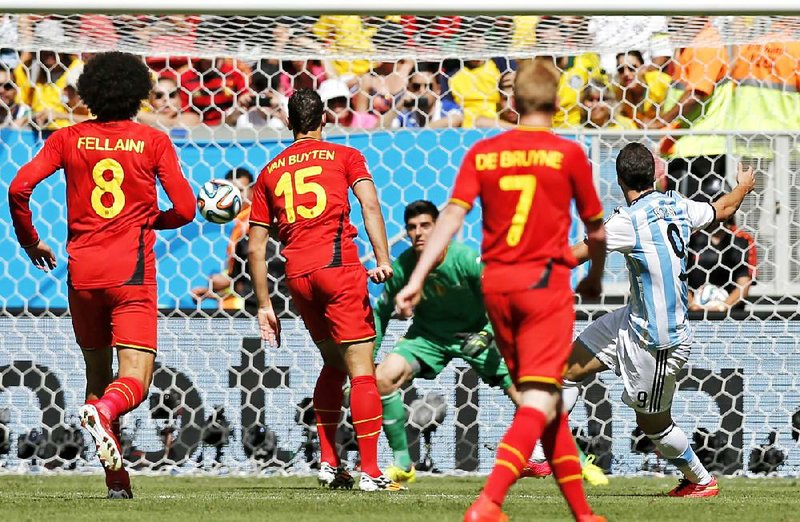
(431, 499)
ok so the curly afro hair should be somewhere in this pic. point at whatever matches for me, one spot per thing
(114, 84)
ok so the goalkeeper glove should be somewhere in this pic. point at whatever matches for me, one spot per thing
(475, 343)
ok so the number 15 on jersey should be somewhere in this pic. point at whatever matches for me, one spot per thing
(298, 183)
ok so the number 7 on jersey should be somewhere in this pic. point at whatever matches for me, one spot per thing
(526, 185)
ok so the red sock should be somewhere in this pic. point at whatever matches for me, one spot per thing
(513, 452)
(328, 396)
(367, 410)
(559, 446)
(121, 396)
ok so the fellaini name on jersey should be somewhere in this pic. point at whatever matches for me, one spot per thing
(124, 144)
(519, 158)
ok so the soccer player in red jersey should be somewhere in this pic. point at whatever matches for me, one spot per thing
(304, 192)
(526, 179)
(111, 165)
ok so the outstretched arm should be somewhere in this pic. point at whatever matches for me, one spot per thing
(449, 222)
(727, 205)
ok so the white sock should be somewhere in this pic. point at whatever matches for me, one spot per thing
(538, 453)
(570, 393)
(673, 444)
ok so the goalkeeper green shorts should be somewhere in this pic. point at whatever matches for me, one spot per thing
(428, 359)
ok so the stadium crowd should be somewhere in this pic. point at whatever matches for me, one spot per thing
(654, 86)
(707, 87)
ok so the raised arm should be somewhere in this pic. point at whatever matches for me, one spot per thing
(727, 205)
(376, 229)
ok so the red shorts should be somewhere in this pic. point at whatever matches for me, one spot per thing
(334, 304)
(123, 316)
(533, 329)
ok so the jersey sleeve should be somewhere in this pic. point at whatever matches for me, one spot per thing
(700, 214)
(259, 208)
(356, 169)
(586, 198)
(620, 236)
(44, 164)
(466, 187)
(176, 186)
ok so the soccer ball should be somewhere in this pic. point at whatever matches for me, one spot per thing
(219, 201)
(711, 296)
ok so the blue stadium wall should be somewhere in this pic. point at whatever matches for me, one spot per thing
(406, 166)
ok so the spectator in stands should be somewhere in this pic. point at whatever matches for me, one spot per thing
(599, 108)
(725, 258)
(698, 99)
(336, 95)
(642, 89)
(210, 88)
(507, 117)
(345, 33)
(12, 113)
(165, 32)
(301, 74)
(474, 88)
(576, 70)
(378, 89)
(262, 106)
(42, 78)
(163, 109)
(420, 104)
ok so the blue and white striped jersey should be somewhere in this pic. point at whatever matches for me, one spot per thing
(653, 233)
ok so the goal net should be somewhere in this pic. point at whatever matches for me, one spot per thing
(413, 93)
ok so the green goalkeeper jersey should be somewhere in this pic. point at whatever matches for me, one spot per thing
(451, 303)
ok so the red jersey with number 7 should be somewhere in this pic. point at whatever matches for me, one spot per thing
(526, 179)
(111, 170)
(305, 191)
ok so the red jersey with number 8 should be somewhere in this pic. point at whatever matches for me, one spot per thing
(526, 180)
(305, 190)
(112, 202)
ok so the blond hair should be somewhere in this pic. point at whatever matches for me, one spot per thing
(536, 86)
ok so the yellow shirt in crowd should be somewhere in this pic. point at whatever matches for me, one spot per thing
(346, 33)
(476, 91)
(580, 69)
(44, 96)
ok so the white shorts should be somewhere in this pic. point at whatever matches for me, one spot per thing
(648, 375)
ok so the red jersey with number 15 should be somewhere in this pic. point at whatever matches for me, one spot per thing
(305, 190)
(526, 179)
(112, 203)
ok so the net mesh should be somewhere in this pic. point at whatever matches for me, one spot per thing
(373, 37)
(413, 94)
